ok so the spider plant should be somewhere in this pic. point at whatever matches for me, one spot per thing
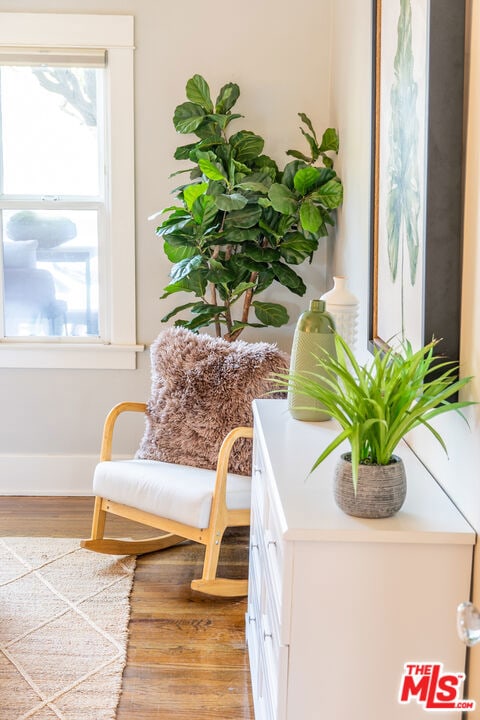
(378, 403)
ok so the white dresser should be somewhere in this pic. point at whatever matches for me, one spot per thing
(337, 605)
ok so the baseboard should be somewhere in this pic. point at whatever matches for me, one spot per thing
(46, 474)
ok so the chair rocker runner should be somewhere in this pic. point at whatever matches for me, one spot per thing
(187, 503)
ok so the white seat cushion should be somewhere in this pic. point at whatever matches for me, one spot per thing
(178, 492)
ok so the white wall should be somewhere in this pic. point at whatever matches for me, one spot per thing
(279, 53)
(351, 113)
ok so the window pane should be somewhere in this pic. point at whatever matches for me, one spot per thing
(50, 123)
(50, 273)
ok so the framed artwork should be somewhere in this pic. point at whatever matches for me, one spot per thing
(417, 178)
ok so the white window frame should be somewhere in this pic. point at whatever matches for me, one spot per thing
(114, 33)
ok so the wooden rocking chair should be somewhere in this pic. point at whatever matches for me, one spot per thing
(187, 503)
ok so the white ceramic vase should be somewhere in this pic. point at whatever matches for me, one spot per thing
(343, 307)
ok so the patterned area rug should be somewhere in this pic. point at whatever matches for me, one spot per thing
(64, 615)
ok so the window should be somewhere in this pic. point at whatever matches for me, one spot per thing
(66, 191)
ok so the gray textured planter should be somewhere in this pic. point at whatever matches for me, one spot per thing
(381, 489)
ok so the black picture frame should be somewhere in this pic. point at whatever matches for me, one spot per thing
(441, 239)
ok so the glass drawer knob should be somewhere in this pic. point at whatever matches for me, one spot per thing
(468, 623)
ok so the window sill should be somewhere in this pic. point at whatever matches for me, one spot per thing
(69, 356)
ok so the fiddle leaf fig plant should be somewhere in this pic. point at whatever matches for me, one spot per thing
(240, 223)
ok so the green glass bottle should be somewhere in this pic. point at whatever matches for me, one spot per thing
(314, 335)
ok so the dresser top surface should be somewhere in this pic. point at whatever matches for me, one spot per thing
(305, 503)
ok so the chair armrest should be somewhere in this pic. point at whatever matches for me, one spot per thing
(107, 438)
(220, 492)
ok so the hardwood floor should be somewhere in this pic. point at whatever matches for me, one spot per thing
(186, 654)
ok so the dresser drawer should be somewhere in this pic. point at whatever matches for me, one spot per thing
(251, 632)
(274, 548)
(274, 654)
(264, 708)
(259, 668)
(269, 533)
(258, 493)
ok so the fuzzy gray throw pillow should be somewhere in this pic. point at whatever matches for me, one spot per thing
(202, 387)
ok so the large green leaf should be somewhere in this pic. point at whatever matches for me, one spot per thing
(264, 163)
(285, 223)
(181, 239)
(234, 201)
(314, 149)
(204, 210)
(220, 272)
(207, 309)
(209, 132)
(224, 120)
(325, 174)
(183, 151)
(216, 187)
(198, 92)
(176, 310)
(252, 186)
(196, 282)
(245, 218)
(237, 325)
(183, 268)
(330, 195)
(187, 117)
(213, 171)
(308, 123)
(327, 161)
(270, 313)
(237, 236)
(265, 176)
(330, 140)
(197, 322)
(242, 288)
(305, 179)
(175, 254)
(310, 217)
(247, 263)
(264, 280)
(290, 171)
(227, 97)
(175, 221)
(171, 228)
(192, 192)
(298, 155)
(282, 199)
(246, 145)
(260, 253)
(295, 248)
(289, 278)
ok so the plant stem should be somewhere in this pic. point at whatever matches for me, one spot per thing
(213, 296)
(228, 318)
(247, 301)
